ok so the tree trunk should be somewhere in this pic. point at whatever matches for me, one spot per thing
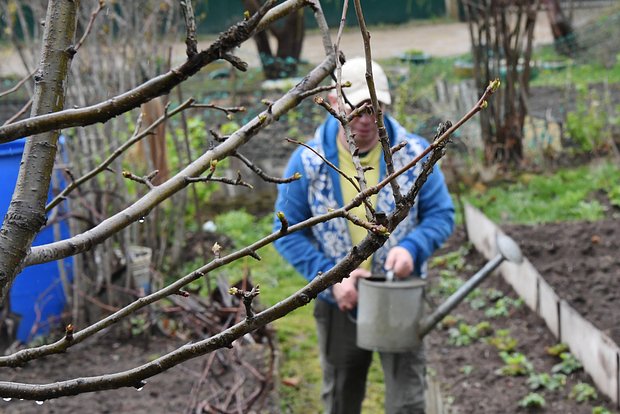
(289, 35)
(26, 213)
(563, 33)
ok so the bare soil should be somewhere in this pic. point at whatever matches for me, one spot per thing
(581, 262)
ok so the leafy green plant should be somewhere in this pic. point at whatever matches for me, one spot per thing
(448, 283)
(453, 260)
(600, 410)
(449, 321)
(515, 364)
(138, 325)
(463, 335)
(587, 124)
(503, 306)
(466, 369)
(494, 294)
(476, 299)
(503, 341)
(477, 303)
(568, 365)
(582, 392)
(483, 329)
(546, 381)
(532, 400)
(557, 349)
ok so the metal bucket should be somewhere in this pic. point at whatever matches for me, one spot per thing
(388, 314)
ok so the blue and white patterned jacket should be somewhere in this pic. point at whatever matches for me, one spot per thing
(315, 250)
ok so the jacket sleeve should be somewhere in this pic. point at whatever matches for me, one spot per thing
(435, 220)
(298, 248)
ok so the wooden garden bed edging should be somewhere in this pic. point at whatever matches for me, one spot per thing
(598, 353)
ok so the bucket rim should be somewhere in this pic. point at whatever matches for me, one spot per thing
(415, 282)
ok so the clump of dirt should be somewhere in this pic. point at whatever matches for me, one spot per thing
(580, 261)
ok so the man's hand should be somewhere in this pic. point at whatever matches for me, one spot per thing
(400, 261)
(345, 292)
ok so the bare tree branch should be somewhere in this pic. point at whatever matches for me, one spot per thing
(377, 110)
(143, 206)
(299, 299)
(117, 153)
(190, 27)
(89, 26)
(19, 113)
(262, 174)
(159, 85)
(17, 85)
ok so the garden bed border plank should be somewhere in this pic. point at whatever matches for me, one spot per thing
(598, 353)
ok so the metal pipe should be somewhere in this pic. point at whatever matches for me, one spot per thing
(446, 307)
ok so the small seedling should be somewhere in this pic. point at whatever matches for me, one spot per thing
(477, 303)
(454, 260)
(532, 400)
(138, 325)
(503, 306)
(568, 365)
(557, 349)
(582, 392)
(503, 341)
(448, 284)
(466, 369)
(449, 321)
(483, 329)
(546, 381)
(463, 335)
(600, 410)
(494, 294)
(515, 364)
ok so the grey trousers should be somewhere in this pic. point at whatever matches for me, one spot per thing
(345, 368)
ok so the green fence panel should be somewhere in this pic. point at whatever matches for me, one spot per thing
(214, 16)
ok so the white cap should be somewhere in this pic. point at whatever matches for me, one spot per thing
(354, 71)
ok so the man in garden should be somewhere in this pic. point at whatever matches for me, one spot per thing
(430, 222)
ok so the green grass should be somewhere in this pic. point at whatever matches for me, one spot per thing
(566, 195)
(578, 75)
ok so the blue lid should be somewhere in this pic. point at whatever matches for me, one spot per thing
(12, 148)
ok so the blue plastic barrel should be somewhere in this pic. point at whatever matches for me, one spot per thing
(37, 295)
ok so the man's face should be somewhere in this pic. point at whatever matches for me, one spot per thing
(364, 130)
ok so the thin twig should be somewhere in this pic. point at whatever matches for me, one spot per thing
(89, 26)
(377, 110)
(226, 110)
(320, 89)
(120, 150)
(18, 84)
(338, 170)
(191, 41)
(237, 62)
(224, 180)
(372, 227)
(328, 162)
(398, 147)
(146, 180)
(262, 174)
(344, 121)
(19, 113)
(247, 297)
